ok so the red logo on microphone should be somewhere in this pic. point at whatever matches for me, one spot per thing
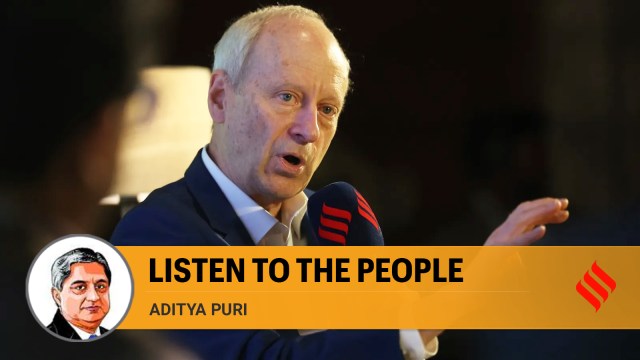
(365, 211)
(340, 229)
(595, 286)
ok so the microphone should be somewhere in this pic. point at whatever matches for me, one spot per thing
(341, 216)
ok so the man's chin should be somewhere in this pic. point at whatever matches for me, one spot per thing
(285, 193)
(95, 317)
(93, 321)
(285, 188)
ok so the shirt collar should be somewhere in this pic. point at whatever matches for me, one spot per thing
(83, 334)
(254, 217)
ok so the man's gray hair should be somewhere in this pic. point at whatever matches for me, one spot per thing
(230, 54)
(61, 268)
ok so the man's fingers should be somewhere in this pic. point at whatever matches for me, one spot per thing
(525, 224)
(530, 236)
(559, 217)
(537, 207)
(528, 205)
(564, 203)
(543, 212)
(541, 204)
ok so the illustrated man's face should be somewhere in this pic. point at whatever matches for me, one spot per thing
(281, 118)
(84, 299)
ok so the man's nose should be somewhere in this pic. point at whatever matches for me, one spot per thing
(92, 294)
(305, 126)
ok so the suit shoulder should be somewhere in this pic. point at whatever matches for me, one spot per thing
(52, 327)
(170, 215)
(173, 194)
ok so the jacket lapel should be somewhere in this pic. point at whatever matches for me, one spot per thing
(306, 227)
(214, 206)
(60, 326)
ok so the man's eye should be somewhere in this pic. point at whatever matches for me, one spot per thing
(286, 97)
(328, 110)
(79, 287)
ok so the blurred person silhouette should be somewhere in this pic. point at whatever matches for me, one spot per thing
(68, 68)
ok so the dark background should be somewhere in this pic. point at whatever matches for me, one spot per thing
(462, 109)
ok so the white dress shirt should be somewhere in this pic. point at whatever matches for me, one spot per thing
(83, 334)
(263, 228)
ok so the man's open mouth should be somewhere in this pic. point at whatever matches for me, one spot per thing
(293, 160)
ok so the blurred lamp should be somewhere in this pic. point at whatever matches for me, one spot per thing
(167, 121)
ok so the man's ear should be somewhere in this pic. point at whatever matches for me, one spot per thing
(56, 296)
(218, 86)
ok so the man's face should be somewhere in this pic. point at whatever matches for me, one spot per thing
(283, 114)
(84, 299)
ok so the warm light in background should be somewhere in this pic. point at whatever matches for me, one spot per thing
(166, 123)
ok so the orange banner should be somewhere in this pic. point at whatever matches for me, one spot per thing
(384, 287)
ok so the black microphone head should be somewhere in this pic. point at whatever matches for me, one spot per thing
(341, 216)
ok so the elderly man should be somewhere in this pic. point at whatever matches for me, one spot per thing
(278, 87)
(80, 282)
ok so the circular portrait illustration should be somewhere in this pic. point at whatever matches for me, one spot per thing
(79, 288)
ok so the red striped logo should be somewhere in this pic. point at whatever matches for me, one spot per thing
(596, 286)
(336, 230)
(365, 211)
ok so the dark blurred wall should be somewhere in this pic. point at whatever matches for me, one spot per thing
(591, 67)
